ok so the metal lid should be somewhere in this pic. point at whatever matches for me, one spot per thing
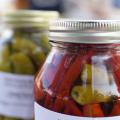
(29, 18)
(85, 31)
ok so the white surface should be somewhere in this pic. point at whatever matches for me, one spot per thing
(16, 95)
(44, 114)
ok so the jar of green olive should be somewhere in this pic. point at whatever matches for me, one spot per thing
(23, 49)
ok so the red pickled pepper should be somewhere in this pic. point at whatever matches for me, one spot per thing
(39, 94)
(49, 102)
(59, 102)
(116, 109)
(58, 105)
(114, 62)
(72, 74)
(38, 89)
(73, 109)
(46, 69)
(57, 77)
(117, 79)
(70, 77)
(61, 71)
(52, 69)
(92, 110)
(67, 111)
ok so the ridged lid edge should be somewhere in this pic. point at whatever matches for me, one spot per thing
(84, 25)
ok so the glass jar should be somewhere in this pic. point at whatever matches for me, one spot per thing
(23, 49)
(80, 79)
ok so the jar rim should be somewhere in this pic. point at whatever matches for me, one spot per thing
(85, 31)
(29, 18)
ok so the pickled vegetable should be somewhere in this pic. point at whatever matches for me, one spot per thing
(1, 118)
(39, 57)
(23, 45)
(22, 56)
(16, 44)
(45, 43)
(86, 75)
(82, 95)
(5, 55)
(93, 110)
(86, 95)
(81, 84)
(116, 109)
(10, 118)
(5, 66)
(71, 108)
(22, 64)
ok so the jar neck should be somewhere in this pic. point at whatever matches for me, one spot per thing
(29, 30)
(76, 47)
(85, 37)
(28, 33)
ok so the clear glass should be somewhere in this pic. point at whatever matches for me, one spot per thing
(28, 44)
(80, 80)
(22, 53)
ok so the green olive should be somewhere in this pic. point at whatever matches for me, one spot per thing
(4, 59)
(45, 43)
(1, 118)
(39, 57)
(28, 46)
(5, 66)
(23, 45)
(16, 44)
(86, 95)
(9, 118)
(22, 64)
(5, 53)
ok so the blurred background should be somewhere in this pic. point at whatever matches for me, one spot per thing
(84, 9)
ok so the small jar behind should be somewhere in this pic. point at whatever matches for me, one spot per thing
(80, 79)
(23, 49)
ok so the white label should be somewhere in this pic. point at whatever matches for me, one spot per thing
(42, 113)
(16, 95)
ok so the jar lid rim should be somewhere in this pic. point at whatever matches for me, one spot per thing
(84, 25)
(29, 18)
(85, 31)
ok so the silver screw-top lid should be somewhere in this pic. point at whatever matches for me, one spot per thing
(85, 31)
